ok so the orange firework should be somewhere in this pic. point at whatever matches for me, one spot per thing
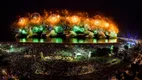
(53, 19)
(103, 23)
(74, 20)
(36, 18)
(64, 17)
(22, 22)
(113, 28)
(97, 22)
(106, 24)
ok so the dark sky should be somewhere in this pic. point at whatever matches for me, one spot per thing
(126, 13)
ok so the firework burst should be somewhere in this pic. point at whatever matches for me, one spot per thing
(78, 22)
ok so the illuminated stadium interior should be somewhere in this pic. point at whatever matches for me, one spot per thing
(35, 56)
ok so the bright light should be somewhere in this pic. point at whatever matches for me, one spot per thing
(35, 18)
(53, 19)
(58, 29)
(106, 24)
(97, 22)
(57, 40)
(23, 40)
(22, 22)
(75, 19)
(35, 40)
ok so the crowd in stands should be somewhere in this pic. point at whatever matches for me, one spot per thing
(28, 64)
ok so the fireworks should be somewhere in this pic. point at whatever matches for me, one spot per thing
(35, 18)
(22, 22)
(74, 19)
(78, 22)
(53, 19)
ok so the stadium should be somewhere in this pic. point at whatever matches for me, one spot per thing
(68, 45)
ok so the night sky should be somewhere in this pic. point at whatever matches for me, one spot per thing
(126, 13)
